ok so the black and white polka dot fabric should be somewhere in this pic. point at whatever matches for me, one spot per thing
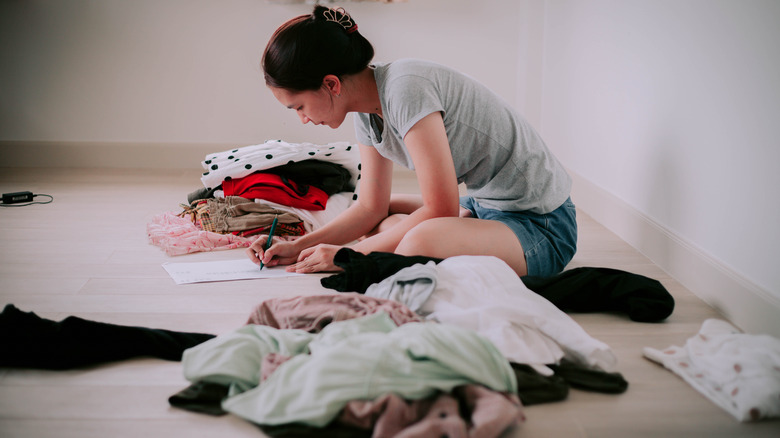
(243, 161)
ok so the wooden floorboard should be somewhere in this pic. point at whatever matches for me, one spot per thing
(87, 254)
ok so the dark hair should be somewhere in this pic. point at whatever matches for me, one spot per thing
(306, 48)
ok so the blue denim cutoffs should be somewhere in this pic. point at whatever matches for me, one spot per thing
(549, 240)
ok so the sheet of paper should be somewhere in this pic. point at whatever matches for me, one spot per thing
(223, 270)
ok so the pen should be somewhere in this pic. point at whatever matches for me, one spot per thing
(270, 237)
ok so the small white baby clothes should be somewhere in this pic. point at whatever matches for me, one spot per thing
(484, 294)
(243, 161)
(739, 372)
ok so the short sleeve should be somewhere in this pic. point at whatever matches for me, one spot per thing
(362, 126)
(409, 99)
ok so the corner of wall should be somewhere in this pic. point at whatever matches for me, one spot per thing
(736, 298)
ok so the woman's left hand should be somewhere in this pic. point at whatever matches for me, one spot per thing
(317, 258)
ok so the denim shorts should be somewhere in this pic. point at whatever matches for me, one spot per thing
(549, 240)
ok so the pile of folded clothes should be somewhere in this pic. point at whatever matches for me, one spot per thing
(302, 185)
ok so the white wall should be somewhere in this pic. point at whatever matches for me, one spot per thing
(117, 72)
(672, 108)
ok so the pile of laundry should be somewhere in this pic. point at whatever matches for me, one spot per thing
(302, 185)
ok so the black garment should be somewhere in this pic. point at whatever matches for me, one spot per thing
(605, 290)
(361, 271)
(534, 388)
(204, 193)
(588, 379)
(29, 341)
(330, 177)
(203, 397)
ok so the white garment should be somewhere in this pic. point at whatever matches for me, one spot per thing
(484, 294)
(315, 219)
(739, 372)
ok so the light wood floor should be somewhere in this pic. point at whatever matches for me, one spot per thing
(87, 254)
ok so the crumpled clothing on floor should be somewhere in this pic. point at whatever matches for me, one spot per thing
(739, 372)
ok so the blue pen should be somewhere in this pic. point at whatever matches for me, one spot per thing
(270, 237)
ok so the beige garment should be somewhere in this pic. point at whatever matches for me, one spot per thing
(234, 213)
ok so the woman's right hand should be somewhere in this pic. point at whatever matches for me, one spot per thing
(281, 252)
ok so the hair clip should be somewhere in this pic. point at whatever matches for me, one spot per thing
(340, 16)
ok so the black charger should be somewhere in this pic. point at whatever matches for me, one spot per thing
(17, 197)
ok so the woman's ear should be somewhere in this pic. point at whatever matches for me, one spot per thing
(332, 83)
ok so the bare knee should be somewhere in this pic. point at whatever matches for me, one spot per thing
(385, 225)
(421, 240)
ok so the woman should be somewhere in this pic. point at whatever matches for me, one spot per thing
(448, 128)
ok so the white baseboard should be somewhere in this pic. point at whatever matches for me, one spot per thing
(739, 300)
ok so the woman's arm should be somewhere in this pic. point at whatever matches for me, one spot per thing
(360, 218)
(429, 148)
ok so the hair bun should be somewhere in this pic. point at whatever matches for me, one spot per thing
(336, 15)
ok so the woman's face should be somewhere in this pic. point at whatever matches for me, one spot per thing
(318, 107)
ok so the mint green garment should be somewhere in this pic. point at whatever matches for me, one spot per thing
(358, 359)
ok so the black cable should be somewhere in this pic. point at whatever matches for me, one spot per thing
(51, 198)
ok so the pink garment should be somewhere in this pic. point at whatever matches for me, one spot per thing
(177, 236)
(312, 313)
(469, 411)
(270, 363)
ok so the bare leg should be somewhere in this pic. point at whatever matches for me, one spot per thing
(451, 236)
(404, 204)
(385, 225)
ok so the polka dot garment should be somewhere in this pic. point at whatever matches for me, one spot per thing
(240, 162)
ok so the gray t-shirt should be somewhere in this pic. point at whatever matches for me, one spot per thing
(503, 162)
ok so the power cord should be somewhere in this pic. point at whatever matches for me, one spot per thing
(23, 199)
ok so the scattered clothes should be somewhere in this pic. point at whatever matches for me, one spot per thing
(584, 289)
(313, 313)
(361, 271)
(484, 294)
(243, 161)
(177, 236)
(739, 372)
(29, 341)
(472, 410)
(590, 289)
(275, 188)
(362, 358)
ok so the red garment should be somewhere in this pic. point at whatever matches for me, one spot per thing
(276, 189)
